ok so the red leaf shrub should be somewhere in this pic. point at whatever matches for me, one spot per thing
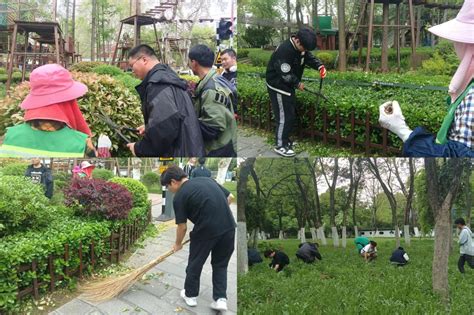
(97, 197)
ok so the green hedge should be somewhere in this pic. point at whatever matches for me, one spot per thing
(420, 107)
(102, 173)
(137, 189)
(15, 169)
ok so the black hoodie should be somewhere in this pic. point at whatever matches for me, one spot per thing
(171, 123)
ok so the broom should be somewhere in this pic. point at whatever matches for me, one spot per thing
(111, 287)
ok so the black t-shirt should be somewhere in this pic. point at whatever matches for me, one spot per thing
(200, 171)
(204, 202)
(280, 258)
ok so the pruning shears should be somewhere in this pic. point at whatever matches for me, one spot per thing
(118, 129)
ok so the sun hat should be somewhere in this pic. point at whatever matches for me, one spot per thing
(86, 164)
(460, 29)
(52, 84)
(76, 169)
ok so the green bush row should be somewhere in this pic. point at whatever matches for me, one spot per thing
(420, 107)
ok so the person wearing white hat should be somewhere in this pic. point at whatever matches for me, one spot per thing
(456, 135)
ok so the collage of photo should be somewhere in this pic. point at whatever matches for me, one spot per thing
(139, 174)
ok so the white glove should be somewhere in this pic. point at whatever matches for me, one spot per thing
(391, 118)
(104, 142)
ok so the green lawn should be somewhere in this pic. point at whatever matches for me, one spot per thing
(342, 283)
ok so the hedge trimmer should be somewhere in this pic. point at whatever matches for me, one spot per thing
(118, 129)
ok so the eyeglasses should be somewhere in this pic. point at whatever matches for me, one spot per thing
(131, 66)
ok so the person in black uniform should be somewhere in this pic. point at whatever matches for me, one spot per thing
(279, 259)
(253, 257)
(229, 63)
(206, 204)
(283, 76)
(308, 252)
(41, 174)
(201, 170)
(399, 257)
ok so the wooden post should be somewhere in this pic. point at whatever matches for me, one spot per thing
(51, 272)
(137, 31)
(56, 40)
(23, 69)
(325, 126)
(397, 34)
(35, 280)
(352, 131)
(91, 249)
(369, 38)
(412, 30)
(111, 246)
(385, 22)
(66, 259)
(116, 44)
(12, 56)
(81, 263)
(367, 133)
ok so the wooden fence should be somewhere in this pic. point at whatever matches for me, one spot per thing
(262, 120)
(119, 242)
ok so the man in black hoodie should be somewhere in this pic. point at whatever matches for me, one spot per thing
(171, 124)
(40, 174)
(284, 72)
(308, 252)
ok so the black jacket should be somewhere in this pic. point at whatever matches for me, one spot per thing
(200, 171)
(308, 252)
(231, 76)
(286, 66)
(171, 124)
(43, 176)
(397, 256)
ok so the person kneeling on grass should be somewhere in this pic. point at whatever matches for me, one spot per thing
(399, 257)
(456, 135)
(253, 257)
(206, 204)
(369, 252)
(466, 245)
(279, 259)
(308, 252)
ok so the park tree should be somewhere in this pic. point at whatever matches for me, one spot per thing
(334, 169)
(443, 178)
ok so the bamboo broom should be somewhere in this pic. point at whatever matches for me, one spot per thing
(108, 288)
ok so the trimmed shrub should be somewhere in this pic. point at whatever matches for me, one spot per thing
(3, 71)
(150, 179)
(22, 205)
(137, 189)
(15, 169)
(327, 59)
(98, 198)
(105, 92)
(108, 70)
(85, 66)
(101, 173)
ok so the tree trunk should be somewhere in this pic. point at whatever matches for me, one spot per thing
(321, 236)
(242, 254)
(397, 235)
(406, 234)
(280, 235)
(288, 16)
(441, 253)
(222, 170)
(335, 236)
(313, 234)
(344, 237)
(356, 231)
(93, 30)
(342, 34)
(384, 56)
(302, 235)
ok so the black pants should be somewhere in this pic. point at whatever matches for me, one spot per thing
(221, 249)
(463, 259)
(283, 107)
(306, 259)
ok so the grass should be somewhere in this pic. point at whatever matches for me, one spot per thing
(232, 187)
(342, 283)
(154, 189)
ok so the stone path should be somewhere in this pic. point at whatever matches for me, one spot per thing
(160, 294)
(251, 143)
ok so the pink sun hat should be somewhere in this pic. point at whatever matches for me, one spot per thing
(460, 29)
(52, 84)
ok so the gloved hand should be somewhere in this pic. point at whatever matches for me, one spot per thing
(391, 118)
(322, 71)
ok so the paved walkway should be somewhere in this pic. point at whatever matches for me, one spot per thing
(160, 294)
(251, 143)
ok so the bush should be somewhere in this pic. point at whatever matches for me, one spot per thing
(242, 53)
(3, 71)
(105, 92)
(22, 205)
(108, 70)
(15, 169)
(150, 179)
(137, 189)
(129, 82)
(98, 198)
(23, 248)
(85, 66)
(100, 173)
(3, 78)
(327, 59)
(420, 107)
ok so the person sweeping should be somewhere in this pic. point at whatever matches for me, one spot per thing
(206, 204)
(456, 135)
(54, 125)
(283, 76)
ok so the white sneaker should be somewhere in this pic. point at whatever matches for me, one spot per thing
(391, 118)
(219, 305)
(286, 152)
(190, 301)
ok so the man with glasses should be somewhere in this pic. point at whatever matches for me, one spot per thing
(171, 124)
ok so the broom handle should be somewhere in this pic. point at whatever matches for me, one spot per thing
(158, 260)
